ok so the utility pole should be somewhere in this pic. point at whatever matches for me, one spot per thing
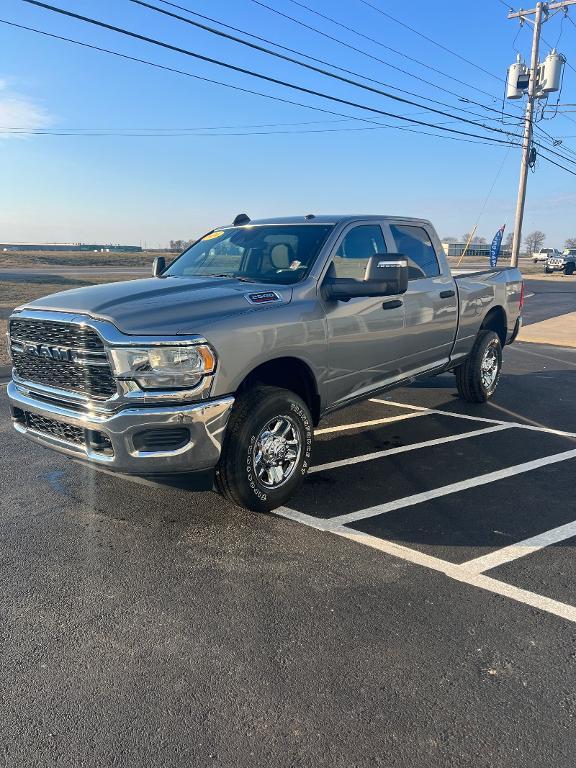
(541, 14)
(527, 140)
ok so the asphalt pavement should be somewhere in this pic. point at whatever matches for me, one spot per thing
(414, 606)
(551, 298)
(149, 624)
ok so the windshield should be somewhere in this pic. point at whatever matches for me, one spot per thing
(261, 253)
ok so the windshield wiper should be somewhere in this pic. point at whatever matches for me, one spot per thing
(234, 277)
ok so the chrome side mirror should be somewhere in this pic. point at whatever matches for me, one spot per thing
(158, 266)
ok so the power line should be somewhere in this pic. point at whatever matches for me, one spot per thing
(311, 67)
(274, 80)
(365, 53)
(429, 39)
(568, 170)
(188, 134)
(487, 140)
(379, 43)
(350, 71)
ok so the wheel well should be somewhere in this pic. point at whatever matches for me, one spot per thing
(495, 321)
(288, 373)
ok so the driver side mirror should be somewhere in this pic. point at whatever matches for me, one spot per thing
(158, 266)
(386, 275)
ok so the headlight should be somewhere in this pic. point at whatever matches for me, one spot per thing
(163, 367)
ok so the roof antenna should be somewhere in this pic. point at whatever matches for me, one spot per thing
(242, 218)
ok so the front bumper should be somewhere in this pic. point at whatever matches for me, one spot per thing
(111, 440)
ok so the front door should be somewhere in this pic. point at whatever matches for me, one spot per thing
(364, 334)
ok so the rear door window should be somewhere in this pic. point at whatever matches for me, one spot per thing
(415, 244)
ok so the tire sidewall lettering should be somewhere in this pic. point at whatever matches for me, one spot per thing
(307, 439)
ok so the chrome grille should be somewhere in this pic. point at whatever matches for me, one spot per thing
(88, 372)
(58, 334)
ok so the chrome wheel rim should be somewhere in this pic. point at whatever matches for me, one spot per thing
(489, 368)
(277, 451)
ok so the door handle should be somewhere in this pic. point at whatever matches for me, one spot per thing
(394, 304)
(447, 294)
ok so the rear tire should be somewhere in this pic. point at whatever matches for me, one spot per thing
(267, 449)
(478, 377)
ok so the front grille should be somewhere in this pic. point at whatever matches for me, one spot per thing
(58, 334)
(95, 381)
(97, 441)
(50, 427)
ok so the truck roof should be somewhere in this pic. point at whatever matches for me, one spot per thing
(334, 219)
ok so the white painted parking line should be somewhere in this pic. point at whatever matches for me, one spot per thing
(462, 574)
(445, 490)
(545, 357)
(465, 416)
(520, 549)
(371, 423)
(535, 427)
(406, 448)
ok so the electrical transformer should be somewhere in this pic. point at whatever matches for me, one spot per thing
(516, 71)
(550, 73)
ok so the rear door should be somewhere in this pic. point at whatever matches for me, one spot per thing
(431, 302)
(364, 334)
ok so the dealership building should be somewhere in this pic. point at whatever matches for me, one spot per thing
(482, 250)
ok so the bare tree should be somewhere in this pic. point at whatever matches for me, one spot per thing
(449, 239)
(475, 240)
(570, 242)
(180, 245)
(534, 241)
(508, 240)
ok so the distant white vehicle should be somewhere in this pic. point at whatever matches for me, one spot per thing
(544, 254)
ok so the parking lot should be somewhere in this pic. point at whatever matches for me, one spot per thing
(415, 605)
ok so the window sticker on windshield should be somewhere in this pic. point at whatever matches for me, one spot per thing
(213, 235)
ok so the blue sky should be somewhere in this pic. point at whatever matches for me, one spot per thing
(151, 189)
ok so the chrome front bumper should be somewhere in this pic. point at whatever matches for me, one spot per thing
(205, 421)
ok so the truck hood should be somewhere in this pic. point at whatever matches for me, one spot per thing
(165, 306)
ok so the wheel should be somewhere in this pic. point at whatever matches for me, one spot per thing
(267, 448)
(548, 271)
(569, 269)
(477, 378)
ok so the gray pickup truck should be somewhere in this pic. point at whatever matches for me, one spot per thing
(226, 359)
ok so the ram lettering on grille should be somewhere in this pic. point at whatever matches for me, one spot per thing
(61, 355)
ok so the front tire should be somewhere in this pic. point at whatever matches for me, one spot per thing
(569, 270)
(478, 377)
(267, 449)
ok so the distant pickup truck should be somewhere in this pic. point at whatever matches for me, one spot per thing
(544, 254)
(228, 358)
(563, 262)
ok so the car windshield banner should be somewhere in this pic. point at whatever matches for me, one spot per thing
(495, 247)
